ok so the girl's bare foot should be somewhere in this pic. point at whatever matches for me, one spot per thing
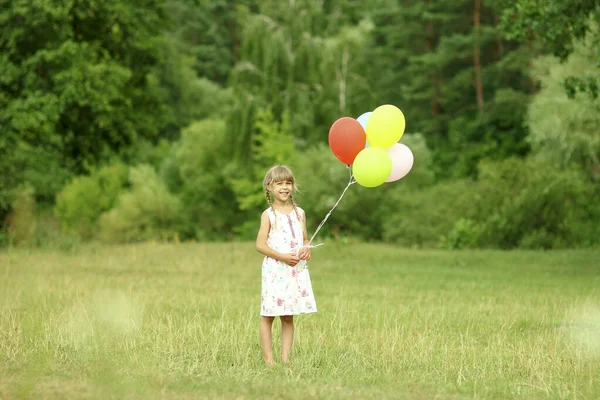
(270, 362)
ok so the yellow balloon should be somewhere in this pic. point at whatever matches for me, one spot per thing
(372, 166)
(385, 126)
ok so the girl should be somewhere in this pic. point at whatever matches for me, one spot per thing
(282, 237)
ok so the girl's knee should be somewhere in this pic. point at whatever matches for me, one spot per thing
(267, 319)
(287, 319)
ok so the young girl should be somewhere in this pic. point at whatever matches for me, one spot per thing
(286, 287)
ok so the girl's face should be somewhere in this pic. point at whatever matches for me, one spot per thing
(282, 190)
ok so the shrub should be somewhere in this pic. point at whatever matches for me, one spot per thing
(464, 234)
(147, 211)
(422, 217)
(536, 205)
(22, 227)
(514, 203)
(197, 172)
(85, 198)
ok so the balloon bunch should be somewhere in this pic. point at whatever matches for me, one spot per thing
(370, 145)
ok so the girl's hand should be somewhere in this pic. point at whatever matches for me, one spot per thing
(304, 253)
(290, 259)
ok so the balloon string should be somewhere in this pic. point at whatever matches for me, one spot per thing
(350, 182)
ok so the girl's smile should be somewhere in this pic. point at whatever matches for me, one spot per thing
(282, 190)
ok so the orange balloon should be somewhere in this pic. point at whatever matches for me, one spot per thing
(346, 139)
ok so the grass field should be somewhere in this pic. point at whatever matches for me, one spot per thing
(181, 322)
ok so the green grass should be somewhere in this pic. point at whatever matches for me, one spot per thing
(181, 322)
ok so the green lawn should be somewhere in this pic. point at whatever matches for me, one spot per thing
(181, 321)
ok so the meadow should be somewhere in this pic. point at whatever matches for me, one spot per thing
(180, 321)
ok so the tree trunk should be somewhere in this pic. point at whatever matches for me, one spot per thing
(499, 43)
(435, 103)
(343, 74)
(477, 56)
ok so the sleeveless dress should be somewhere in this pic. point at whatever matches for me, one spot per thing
(286, 290)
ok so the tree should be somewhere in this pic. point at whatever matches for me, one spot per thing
(556, 24)
(298, 61)
(449, 69)
(565, 130)
(80, 77)
(208, 31)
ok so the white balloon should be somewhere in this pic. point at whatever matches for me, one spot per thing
(402, 161)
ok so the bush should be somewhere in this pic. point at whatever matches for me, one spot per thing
(22, 227)
(536, 205)
(423, 217)
(514, 203)
(147, 211)
(564, 129)
(23, 165)
(85, 198)
(464, 234)
(197, 172)
(45, 173)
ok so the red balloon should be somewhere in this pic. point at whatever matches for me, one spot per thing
(346, 139)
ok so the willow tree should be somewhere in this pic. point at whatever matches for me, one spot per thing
(296, 60)
(565, 130)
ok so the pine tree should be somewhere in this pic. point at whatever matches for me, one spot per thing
(453, 74)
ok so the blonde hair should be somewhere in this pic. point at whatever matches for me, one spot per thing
(280, 173)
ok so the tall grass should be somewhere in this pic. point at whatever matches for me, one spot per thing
(181, 321)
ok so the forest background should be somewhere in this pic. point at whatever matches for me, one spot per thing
(132, 121)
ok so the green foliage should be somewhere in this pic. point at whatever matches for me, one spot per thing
(82, 201)
(565, 130)
(81, 77)
(428, 57)
(464, 234)
(423, 217)
(555, 23)
(272, 144)
(497, 133)
(12, 167)
(196, 172)
(44, 172)
(147, 211)
(190, 97)
(558, 25)
(535, 204)
(151, 154)
(29, 166)
(206, 31)
(211, 93)
(296, 60)
(22, 230)
(514, 203)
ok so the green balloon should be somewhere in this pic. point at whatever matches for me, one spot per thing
(372, 166)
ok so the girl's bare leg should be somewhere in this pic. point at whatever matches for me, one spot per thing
(287, 337)
(266, 341)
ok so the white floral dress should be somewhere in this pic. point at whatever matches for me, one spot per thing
(286, 290)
